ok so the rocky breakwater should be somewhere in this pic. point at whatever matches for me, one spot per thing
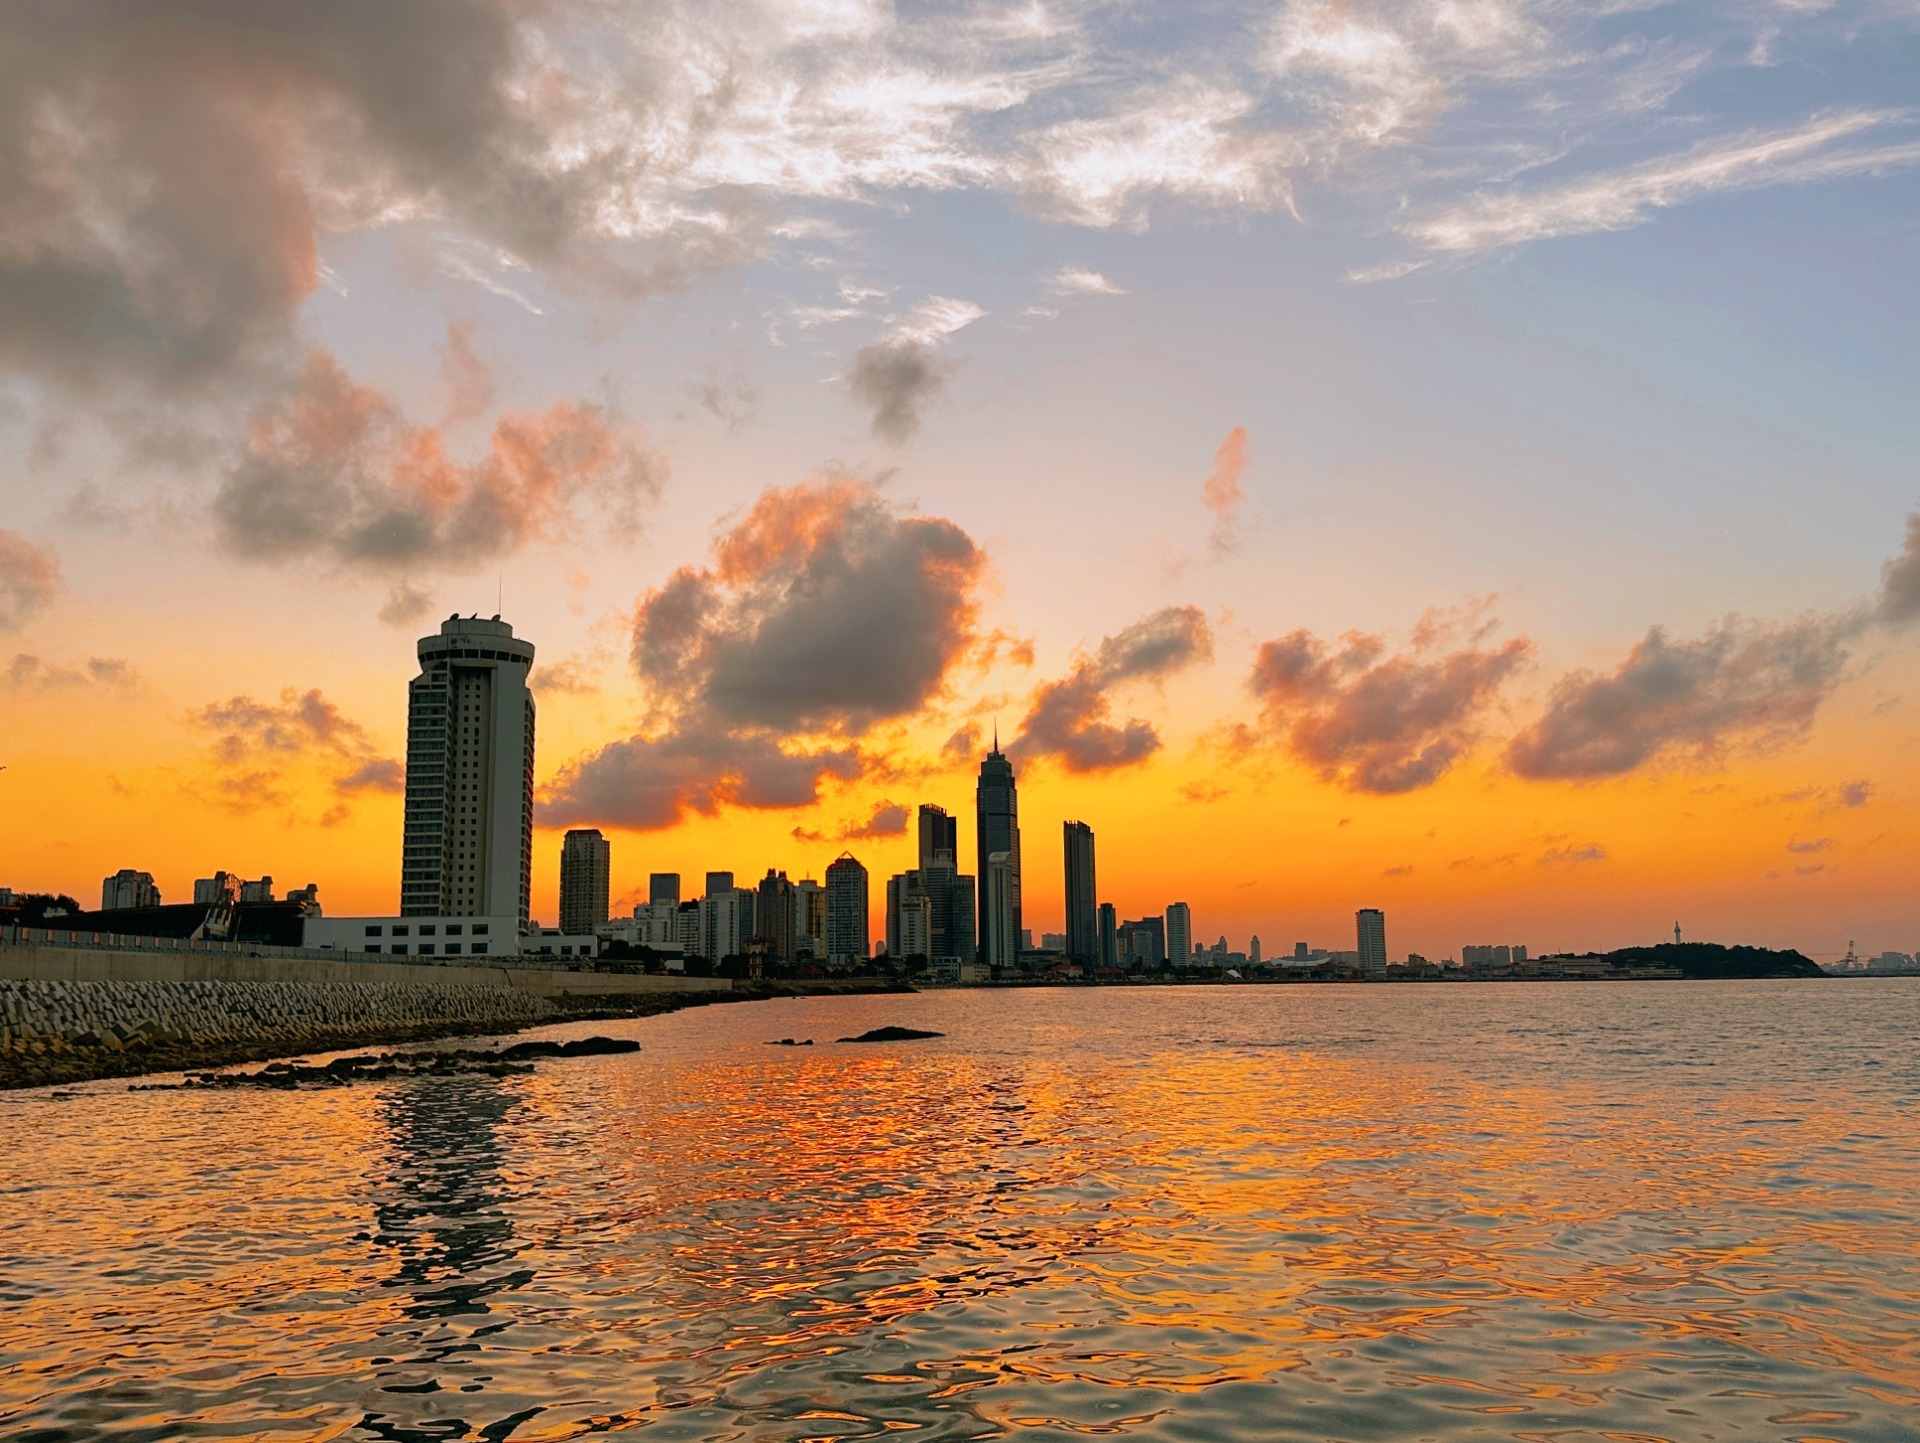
(54, 1032)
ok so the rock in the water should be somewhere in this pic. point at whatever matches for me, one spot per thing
(789, 1042)
(892, 1034)
(598, 1046)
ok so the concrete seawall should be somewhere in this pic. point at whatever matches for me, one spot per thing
(69, 1012)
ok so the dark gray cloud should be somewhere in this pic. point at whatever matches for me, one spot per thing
(1376, 722)
(895, 378)
(1068, 719)
(29, 578)
(336, 473)
(649, 783)
(824, 613)
(1742, 684)
(825, 610)
(1900, 580)
(165, 168)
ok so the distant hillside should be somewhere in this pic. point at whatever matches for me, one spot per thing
(1710, 959)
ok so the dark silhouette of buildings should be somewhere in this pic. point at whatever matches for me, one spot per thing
(997, 813)
(1083, 926)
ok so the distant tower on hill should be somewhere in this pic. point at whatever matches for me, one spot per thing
(1676, 934)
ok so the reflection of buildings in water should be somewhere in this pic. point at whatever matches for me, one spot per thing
(440, 1207)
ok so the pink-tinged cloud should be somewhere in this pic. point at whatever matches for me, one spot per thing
(1222, 491)
(29, 579)
(468, 378)
(1375, 722)
(824, 613)
(336, 473)
(1067, 720)
(1743, 684)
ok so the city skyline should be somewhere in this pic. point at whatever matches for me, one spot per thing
(1458, 460)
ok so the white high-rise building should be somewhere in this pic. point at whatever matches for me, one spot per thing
(725, 924)
(1370, 925)
(469, 821)
(1180, 934)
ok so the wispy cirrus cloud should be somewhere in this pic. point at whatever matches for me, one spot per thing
(1823, 148)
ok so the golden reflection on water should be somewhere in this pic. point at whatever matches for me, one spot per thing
(1677, 1213)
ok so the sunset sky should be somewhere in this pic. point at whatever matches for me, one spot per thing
(1458, 458)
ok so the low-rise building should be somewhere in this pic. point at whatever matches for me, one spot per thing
(436, 939)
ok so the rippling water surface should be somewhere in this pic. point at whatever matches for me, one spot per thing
(1560, 1212)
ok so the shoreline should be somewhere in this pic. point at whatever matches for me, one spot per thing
(67, 1065)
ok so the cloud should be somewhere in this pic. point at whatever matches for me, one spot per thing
(1743, 683)
(824, 613)
(899, 374)
(1856, 794)
(1194, 144)
(896, 379)
(259, 741)
(1822, 148)
(171, 167)
(31, 673)
(1569, 856)
(1221, 493)
(649, 783)
(889, 819)
(964, 745)
(1810, 844)
(376, 774)
(1900, 580)
(336, 473)
(29, 579)
(1079, 281)
(1383, 723)
(405, 604)
(469, 380)
(1067, 719)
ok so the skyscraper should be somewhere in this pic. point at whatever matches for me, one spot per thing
(939, 838)
(1083, 910)
(949, 893)
(809, 918)
(665, 887)
(1371, 923)
(773, 916)
(847, 937)
(997, 812)
(586, 866)
(1180, 934)
(1109, 936)
(999, 915)
(468, 849)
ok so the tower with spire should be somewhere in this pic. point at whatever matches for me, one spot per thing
(997, 819)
